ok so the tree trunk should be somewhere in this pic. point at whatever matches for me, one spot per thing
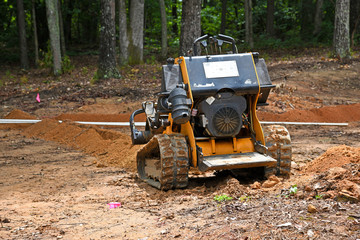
(354, 30)
(62, 35)
(24, 61)
(107, 53)
(341, 41)
(36, 42)
(354, 19)
(54, 32)
(248, 24)
(175, 28)
(69, 5)
(307, 19)
(163, 29)
(223, 16)
(318, 17)
(190, 25)
(270, 18)
(123, 38)
(136, 32)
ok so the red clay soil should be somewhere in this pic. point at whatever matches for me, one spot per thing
(340, 113)
(16, 114)
(90, 117)
(115, 148)
(335, 157)
(110, 147)
(338, 174)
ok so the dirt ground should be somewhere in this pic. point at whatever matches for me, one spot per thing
(57, 179)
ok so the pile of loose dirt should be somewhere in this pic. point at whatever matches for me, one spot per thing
(334, 157)
(16, 114)
(339, 174)
(340, 113)
(110, 147)
(91, 117)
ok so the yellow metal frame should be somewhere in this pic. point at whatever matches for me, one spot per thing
(255, 121)
(217, 146)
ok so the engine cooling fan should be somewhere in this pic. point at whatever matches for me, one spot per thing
(227, 121)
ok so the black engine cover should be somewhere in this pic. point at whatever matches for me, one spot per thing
(223, 113)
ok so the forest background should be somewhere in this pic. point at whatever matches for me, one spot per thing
(47, 33)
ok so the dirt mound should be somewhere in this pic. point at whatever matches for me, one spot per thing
(16, 114)
(110, 147)
(339, 174)
(334, 157)
(340, 183)
(340, 113)
(92, 117)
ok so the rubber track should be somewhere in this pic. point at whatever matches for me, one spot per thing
(172, 164)
(277, 139)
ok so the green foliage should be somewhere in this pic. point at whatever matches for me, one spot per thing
(23, 80)
(151, 60)
(293, 190)
(46, 59)
(318, 197)
(81, 21)
(95, 78)
(222, 198)
(84, 70)
(9, 75)
(245, 198)
(211, 19)
(66, 65)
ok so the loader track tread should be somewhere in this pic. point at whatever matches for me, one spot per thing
(278, 142)
(170, 160)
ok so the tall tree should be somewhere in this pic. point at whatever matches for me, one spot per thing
(223, 16)
(354, 19)
(190, 24)
(24, 61)
(163, 29)
(123, 37)
(36, 42)
(341, 40)
(54, 32)
(270, 10)
(68, 15)
(174, 16)
(306, 19)
(318, 17)
(62, 34)
(248, 23)
(136, 32)
(107, 54)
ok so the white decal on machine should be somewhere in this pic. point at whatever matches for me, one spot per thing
(221, 69)
(204, 85)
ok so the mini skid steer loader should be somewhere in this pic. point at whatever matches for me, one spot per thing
(205, 118)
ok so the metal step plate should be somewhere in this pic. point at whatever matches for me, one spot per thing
(232, 161)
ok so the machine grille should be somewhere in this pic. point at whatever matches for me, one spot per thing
(227, 121)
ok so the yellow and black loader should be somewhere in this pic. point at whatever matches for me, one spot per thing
(205, 118)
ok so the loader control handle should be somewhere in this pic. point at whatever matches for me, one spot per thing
(220, 39)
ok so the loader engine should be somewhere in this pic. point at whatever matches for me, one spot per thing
(221, 115)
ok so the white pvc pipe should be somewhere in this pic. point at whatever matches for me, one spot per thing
(306, 123)
(122, 124)
(142, 124)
